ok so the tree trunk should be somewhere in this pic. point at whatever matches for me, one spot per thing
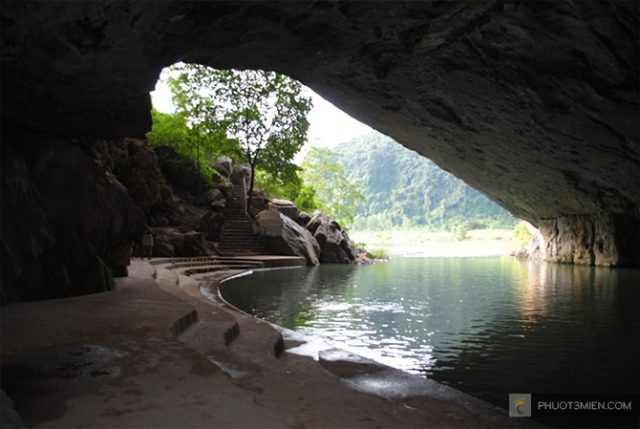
(251, 183)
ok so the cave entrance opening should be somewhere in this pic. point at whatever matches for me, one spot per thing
(384, 193)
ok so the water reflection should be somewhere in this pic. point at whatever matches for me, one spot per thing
(487, 326)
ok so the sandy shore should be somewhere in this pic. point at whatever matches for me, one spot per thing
(157, 352)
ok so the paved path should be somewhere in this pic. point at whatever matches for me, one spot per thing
(156, 353)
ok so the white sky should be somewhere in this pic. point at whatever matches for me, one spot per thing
(328, 125)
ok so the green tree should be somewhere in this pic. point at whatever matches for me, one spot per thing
(207, 136)
(263, 112)
(521, 233)
(336, 194)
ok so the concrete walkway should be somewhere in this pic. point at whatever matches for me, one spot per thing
(157, 353)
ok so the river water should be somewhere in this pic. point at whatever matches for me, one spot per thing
(486, 326)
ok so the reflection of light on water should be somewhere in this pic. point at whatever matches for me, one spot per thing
(465, 321)
(391, 352)
(351, 326)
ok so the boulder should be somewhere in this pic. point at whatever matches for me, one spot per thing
(241, 172)
(171, 242)
(285, 207)
(303, 218)
(285, 237)
(335, 244)
(259, 202)
(216, 198)
(211, 225)
(224, 166)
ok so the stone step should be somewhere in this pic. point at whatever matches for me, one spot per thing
(241, 244)
(218, 322)
(226, 234)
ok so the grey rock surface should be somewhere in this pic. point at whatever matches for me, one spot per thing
(67, 223)
(9, 417)
(285, 237)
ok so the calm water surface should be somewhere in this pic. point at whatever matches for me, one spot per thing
(487, 326)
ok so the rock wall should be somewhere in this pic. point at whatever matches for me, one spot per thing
(67, 223)
(533, 103)
(73, 209)
(602, 241)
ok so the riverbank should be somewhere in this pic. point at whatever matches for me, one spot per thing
(157, 353)
(417, 242)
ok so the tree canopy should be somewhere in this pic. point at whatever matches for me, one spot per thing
(255, 115)
(335, 194)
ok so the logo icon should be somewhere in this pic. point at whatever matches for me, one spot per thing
(519, 405)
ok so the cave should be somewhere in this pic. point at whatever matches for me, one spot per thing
(535, 104)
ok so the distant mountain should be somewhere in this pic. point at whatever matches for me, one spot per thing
(402, 188)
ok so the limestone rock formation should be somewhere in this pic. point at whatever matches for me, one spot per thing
(217, 199)
(581, 240)
(67, 223)
(224, 166)
(259, 202)
(241, 172)
(169, 242)
(285, 207)
(9, 417)
(211, 225)
(135, 165)
(335, 245)
(533, 103)
(285, 237)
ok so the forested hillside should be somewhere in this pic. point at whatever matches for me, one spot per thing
(404, 189)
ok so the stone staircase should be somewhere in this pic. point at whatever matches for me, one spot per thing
(238, 237)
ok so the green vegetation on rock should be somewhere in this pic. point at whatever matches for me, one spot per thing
(402, 189)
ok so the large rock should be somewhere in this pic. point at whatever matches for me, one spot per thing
(67, 223)
(335, 245)
(241, 172)
(535, 104)
(285, 237)
(259, 202)
(136, 166)
(171, 242)
(285, 207)
(217, 199)
(224, 166)
(211, 225)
